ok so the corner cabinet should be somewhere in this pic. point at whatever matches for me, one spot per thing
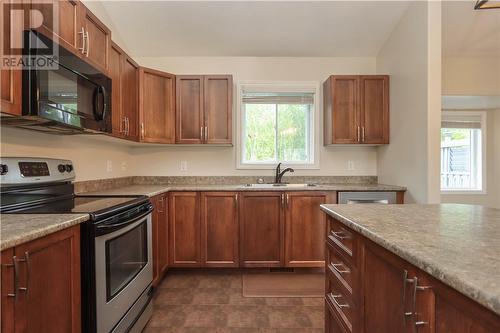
(41, 284)
(369, 289)
(156, 106)
(204, 107)
(356, 109)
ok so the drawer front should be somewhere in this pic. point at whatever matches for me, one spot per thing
(333, 324)
(340, 301)
(342, 237)
(340, 269)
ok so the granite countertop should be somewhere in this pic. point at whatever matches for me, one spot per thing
(152, 190)
(17, 229)
(457, 244)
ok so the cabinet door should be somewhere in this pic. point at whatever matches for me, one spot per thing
(98, 38)
(218, 95)
(219, 213)
(50, 273)
(69, 25)
(155, 201)
(115, 69)
(163, 234)
(374, 109)
(130, 97)
(261, 229)
(184, 235)
(341, 110)
(189, 109)
(8, 292)
(305, 226)
(157, 106)
(386, 291)
(10, 79)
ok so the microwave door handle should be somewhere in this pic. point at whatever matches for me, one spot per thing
(99, 108)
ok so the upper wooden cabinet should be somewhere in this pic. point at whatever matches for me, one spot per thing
(47, 298)
(95, 39)
(156, 106)
(356, 109)
(204, 109)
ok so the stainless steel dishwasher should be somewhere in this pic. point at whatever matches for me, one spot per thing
(367, 197)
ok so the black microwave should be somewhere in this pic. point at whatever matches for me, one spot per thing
(70, 97)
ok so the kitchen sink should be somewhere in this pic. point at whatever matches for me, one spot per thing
(280, 185)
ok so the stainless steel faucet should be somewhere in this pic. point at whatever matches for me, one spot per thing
(280, 174)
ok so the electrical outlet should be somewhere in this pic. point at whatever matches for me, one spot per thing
(109, 166)
(184, 165)
(350, 165)
(124, 166)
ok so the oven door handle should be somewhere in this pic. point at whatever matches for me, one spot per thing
(103, 229)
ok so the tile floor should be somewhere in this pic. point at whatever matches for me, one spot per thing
(211, 301)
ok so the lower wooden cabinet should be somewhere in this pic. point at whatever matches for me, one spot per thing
(219, 229)
(47, 297)
(305, 227)
(160, 237)
(262, 229)
(371, 290)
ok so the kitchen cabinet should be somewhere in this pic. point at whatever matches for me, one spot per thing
(184, 229)
(369, 289)
(160, 237)
(10, 79)
(220, 228)
(204, 109)
(305, 226)
(124, 73)
(156, 106)
(356, 109)
(262, 229)
(95, 39)
(44, 295)
(69, 28)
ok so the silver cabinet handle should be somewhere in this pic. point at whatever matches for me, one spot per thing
(334, 299)
(359, 128)
(287, 199)
(88, 43)
(142, 131)
(16, 277)
(282, 200)
(340, 271)
(127, 125)
(363, 134)
(206, 133)
(406, 280)
(236, 197)
(28, 273)
(341, 234)
(202, 136)
(82, 32)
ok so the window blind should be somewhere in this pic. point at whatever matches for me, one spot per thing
(277, 98)
(461, 122)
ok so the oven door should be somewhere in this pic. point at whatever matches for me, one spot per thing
(123, 269)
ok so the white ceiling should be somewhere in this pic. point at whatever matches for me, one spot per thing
(239, 28)
(468, 32)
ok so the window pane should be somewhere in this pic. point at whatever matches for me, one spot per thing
(293, 126)
(460, 159)
(260, 133)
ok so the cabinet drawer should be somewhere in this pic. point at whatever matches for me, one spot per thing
(341, 305)
(340, 269)
(342, 237)
(333, 324)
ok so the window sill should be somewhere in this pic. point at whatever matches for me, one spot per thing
(273, 166)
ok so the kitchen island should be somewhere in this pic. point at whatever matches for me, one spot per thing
(435, 268)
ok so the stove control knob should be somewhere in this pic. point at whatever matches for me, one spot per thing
(69, 168)
(3, 169)
(61, 168)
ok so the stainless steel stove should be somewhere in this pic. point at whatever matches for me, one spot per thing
(117, 268)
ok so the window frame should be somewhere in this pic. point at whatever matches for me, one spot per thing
(483, 190)
(279, 86)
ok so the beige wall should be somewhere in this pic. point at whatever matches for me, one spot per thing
(411, 56)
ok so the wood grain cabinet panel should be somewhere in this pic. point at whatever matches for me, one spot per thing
(48, 295)
(261, 229)
(305, 226)
(356, 109)
(97, 40)
(115, 73)
(189, 109)
(218, 108)
(130, 97)
(160, 237)
(156, 106)
(185, 229)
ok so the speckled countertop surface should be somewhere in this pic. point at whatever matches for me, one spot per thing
(152, 190)
(16, 229)
(457, 244)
